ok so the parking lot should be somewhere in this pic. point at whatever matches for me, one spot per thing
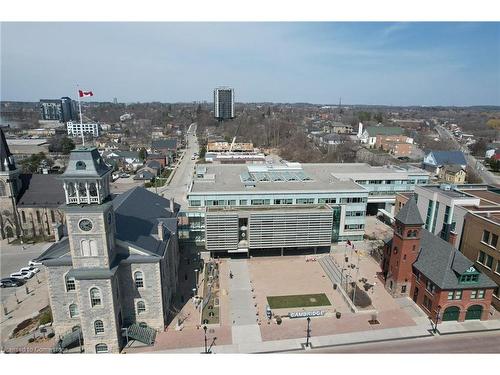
(14, 257)
(123, 184)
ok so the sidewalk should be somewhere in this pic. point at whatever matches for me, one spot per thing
(245, 329)
(348, 338)
(448, 328)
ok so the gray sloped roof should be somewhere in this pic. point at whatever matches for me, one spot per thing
(137, 212)
(41, 190)
(7, 162)
(153, 164)
(409, 213)
(449, 157)
(168, 143)
(383, 130)
(453, 168)
(86, 162)
(442, 264)
(144, 174)
(58, 251)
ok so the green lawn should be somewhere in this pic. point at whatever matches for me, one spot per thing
(301, 300)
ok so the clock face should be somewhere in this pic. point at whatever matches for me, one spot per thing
(85, 224)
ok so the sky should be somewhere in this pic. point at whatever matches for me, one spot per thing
(378, 63)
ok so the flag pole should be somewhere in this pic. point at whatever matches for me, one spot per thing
(81, 119)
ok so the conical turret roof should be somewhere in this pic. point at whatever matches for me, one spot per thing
(6, 159)
(409, 214)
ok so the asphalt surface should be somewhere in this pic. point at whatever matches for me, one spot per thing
(486, 175)
(14, 257)
(481, 342)
(178, 186)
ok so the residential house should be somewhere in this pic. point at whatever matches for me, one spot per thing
(435, 160)
(452, 174)
(369, 134)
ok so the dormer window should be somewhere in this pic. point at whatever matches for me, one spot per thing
(470, 276)
(80, 165)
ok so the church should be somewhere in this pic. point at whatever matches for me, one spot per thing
(113, 273)
(29, 203)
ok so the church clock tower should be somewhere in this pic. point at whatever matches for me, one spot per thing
(91, 231)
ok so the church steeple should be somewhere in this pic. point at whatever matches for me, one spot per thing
(7, 162)
(87, 178)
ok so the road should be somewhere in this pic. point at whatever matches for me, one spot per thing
(14, 257)
(486, 175)
(178, 186)
(482, 342)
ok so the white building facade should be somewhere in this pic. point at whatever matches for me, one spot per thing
(75, 129)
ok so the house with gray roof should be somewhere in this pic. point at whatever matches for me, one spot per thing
(370, 133)
(434, 161)
(116, 269)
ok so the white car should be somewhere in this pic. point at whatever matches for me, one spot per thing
(33, 263)
(22, 275)
(31, 269)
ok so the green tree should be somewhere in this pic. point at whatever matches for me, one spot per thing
(203, 151)
(34, 162)
(67, 145)
(143, 154)
(494, 164)
(364, 116)
(479, 148)
(379, 117)
(61, 144)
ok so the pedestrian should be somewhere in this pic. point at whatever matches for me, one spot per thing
(230, 274)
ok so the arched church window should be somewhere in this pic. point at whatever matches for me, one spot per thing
(93, 248)
(85, 248)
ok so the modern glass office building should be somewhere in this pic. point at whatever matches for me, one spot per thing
(238, 208)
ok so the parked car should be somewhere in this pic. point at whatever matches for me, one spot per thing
(30, 268)
(33, 262)
(9, 282)
(22, 275)
(124, 175)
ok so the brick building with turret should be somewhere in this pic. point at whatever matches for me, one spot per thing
(440, 279)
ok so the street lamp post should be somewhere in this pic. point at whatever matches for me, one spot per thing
(308, 332)
(196, 279)
(437, 318)
(206, 347)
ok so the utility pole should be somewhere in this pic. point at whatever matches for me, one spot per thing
(206, 347)
(437, 319)
(308, 332)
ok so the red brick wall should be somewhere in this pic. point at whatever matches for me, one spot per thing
(400, 266)
(440, 298)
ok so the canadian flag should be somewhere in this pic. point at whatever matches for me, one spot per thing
(85, 93)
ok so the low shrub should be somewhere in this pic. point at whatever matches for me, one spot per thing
(46, 317)
(22, 325)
